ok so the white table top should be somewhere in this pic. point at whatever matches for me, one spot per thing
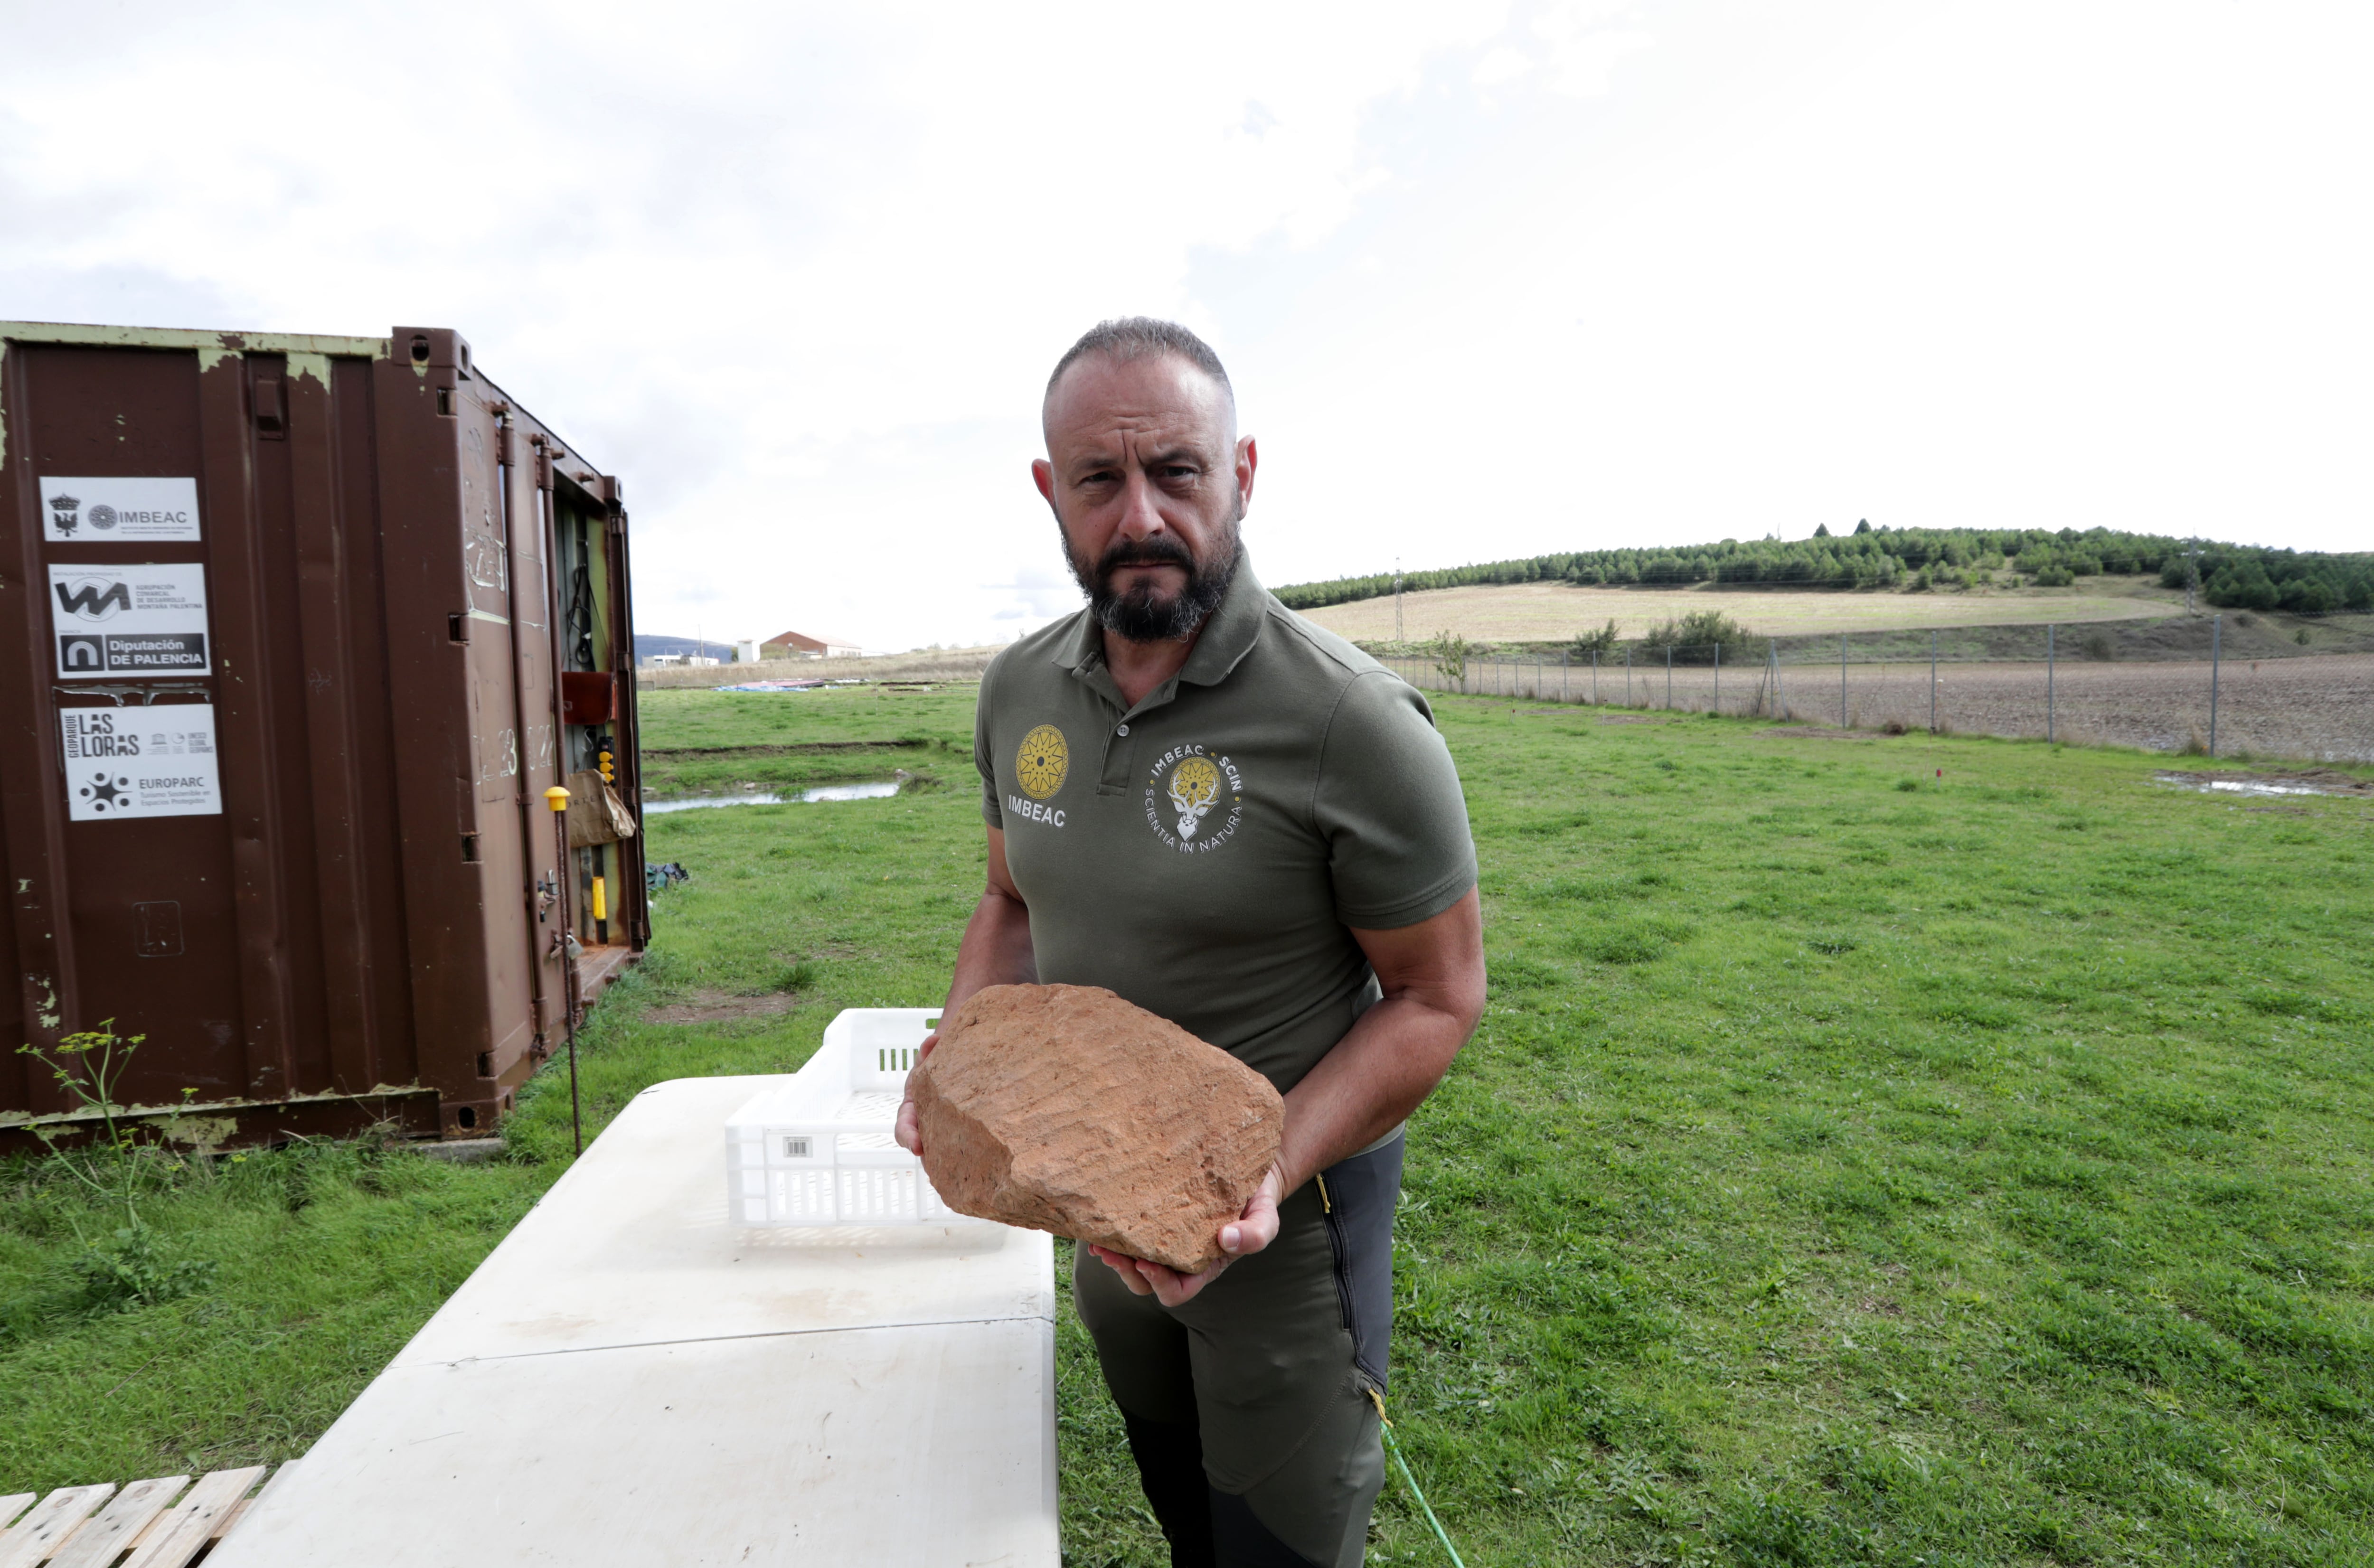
(628, 1378)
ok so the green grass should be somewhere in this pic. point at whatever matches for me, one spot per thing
(1852, 1167)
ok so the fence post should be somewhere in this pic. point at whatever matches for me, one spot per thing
(1563, 661)
(1932, 682)
(1627, 677)
(2216, 630)
(1772, 666)
(1718, 678)
(1594, 677)
(1842, 682)
(2048, 683)
(1669, 677)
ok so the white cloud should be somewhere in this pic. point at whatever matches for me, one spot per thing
(1490, 280)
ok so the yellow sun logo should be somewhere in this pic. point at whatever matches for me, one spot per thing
(1043, 762)
(1194, 786)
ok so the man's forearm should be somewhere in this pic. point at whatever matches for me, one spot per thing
(1389, 1063)
(997, 947)
(1369, 1084)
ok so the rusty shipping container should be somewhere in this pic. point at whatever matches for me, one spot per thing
(294, 633)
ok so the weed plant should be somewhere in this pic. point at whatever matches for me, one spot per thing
(1854, 1165)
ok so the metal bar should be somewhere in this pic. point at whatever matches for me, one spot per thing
(318, 528)
(2049, 736)
(2216, 631)
(530, 800)
(247, 739)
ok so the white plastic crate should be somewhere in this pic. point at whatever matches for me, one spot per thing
(819, 1149)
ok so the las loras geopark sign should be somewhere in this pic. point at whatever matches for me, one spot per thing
(154, 761)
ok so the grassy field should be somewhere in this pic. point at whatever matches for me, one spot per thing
(1854, 1165)
(1556, 612)
(709, 741)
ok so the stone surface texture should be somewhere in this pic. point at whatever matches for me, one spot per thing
(1066, 1109)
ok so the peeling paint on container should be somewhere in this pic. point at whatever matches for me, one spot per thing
(312, 868)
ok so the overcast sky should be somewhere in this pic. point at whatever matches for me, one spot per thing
(1491, 280)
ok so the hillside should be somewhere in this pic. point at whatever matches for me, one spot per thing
(1912, 560)
(1557, 611)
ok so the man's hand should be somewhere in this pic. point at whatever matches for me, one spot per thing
(906, 1130)
(1240, 1238)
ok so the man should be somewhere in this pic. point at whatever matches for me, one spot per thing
(1243, 823)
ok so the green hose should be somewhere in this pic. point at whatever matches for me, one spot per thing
(1387, 1428)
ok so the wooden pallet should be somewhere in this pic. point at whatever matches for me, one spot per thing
(164, 1522)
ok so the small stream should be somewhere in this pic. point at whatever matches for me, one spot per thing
(773, 798)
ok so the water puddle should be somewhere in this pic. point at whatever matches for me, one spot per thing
(773, 798)
(2267, 785)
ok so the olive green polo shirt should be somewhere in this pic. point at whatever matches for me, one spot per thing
(1204, 852)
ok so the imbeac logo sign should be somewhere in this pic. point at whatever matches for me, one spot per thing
(144, 511)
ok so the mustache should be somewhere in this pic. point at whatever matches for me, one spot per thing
(1157, 551)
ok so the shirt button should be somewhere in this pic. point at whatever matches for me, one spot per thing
(1123, 731)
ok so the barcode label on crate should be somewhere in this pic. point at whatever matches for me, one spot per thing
(795, 1148)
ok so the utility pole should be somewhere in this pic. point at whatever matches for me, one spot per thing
(2216, 630)
(2193, 577)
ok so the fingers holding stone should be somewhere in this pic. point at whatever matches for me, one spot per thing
(1127, 1268)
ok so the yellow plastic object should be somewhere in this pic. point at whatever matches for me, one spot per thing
(556, 798)
(600, 900)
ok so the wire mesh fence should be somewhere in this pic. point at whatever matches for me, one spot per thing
(2309, 707)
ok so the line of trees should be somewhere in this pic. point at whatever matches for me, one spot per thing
(1912, 560)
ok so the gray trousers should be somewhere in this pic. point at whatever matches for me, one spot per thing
(1262, 1380)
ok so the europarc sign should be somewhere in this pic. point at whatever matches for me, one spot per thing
(156, 760)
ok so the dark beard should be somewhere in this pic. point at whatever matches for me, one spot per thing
(1139, 614)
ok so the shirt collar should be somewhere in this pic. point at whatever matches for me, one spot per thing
(1233, 629)
(1226, 637)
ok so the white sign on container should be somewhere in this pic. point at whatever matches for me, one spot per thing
(144, 511)
(156, 761)
(131, 620)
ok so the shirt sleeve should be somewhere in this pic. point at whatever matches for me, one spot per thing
(1387, 801)
(990, 812)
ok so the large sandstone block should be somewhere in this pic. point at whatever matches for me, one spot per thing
(1066, 1109)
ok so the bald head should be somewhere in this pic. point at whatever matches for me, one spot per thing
(1127, 339)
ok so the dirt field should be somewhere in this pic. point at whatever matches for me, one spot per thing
(2314, 708)
(1549, 611)
(925, 664)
